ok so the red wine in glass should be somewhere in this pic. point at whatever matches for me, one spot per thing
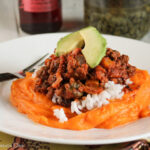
(40, 16)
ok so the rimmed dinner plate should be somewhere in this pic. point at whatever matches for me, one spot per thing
(16, 54)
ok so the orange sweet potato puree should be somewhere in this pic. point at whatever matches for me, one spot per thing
(39, 108)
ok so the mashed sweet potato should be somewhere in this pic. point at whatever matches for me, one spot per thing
(133, 105)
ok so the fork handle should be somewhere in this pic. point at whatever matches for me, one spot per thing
(7, 76)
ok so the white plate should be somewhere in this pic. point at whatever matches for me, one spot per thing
(17, 54)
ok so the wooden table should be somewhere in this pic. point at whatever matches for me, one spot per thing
(72, 17)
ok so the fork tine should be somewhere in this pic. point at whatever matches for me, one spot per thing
(33, 69)
(32, 65)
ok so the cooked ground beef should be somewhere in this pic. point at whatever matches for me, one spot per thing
(70, 77)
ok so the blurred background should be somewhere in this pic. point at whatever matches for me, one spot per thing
(72, 17)
(120, 17)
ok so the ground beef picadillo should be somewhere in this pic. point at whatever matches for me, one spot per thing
(70, 77)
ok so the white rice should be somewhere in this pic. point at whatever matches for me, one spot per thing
(60, 114)
(128, 81)
(56, 99)
(115, 90)
(37, 68)
(75, 107)
(111, 91)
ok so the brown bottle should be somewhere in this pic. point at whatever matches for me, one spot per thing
(40, 16)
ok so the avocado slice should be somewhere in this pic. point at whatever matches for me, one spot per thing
(69, 43)
(94, 45)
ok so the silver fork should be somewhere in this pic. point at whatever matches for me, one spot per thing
(21, 74)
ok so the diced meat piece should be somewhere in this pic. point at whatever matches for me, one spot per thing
(107, 63)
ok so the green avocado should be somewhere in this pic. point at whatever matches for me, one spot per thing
(69, 43)
(93, 42)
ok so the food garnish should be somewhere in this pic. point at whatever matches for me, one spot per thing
(93, 45)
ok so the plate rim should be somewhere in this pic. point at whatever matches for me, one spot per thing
(75, 142)
(63, 33)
